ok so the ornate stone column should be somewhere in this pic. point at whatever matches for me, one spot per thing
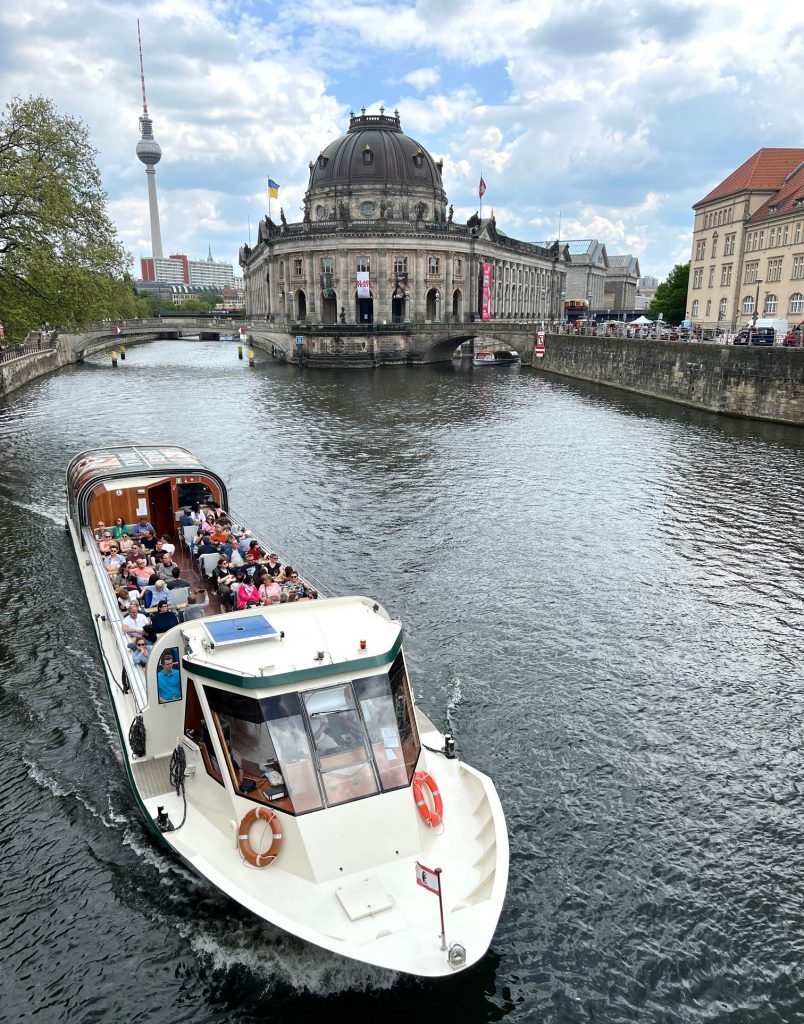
(446, 302)
(345, 290)
(419, 310)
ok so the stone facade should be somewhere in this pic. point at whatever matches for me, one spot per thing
(378, 244)
(748, 244)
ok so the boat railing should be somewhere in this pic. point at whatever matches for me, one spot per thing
(136, 676)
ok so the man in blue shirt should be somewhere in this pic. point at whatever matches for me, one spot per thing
(168, 679)
(142, 527)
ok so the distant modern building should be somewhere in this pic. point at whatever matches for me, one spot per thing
(747, 255)
(378, 243)
(620, 289)
(178, 269)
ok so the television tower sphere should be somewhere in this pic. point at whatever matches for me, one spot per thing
(148, 149)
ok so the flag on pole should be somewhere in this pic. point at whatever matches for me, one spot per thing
(482, 187)
(428, 879)
(273, 189)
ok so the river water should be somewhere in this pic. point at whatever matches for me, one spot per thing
(602, 597)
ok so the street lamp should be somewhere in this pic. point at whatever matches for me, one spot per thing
(756, 310)
(589, 314)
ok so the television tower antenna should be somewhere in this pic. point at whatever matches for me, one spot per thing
(149, 152)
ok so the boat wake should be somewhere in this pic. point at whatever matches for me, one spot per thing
(52, 515)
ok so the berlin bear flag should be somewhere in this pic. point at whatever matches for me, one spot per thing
(428, 879)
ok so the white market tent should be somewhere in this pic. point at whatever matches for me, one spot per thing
(640, 320)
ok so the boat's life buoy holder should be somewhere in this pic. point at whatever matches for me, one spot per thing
(259, 860)
(431, 815)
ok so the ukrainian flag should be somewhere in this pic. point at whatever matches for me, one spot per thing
(273, 189)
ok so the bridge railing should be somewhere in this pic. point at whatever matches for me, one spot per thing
(30, 349)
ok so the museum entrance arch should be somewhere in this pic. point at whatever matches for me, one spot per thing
(364, 309)
(399, 308)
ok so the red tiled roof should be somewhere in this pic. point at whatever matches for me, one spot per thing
(764, 171)
(785, 201)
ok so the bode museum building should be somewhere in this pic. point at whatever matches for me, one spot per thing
(378, 244)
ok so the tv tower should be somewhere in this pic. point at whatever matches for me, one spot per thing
(150, 153)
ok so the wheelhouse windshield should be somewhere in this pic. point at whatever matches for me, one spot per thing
(322, 747)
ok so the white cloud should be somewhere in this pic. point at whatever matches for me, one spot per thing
(422, 78)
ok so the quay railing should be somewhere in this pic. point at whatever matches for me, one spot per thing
(30, 348)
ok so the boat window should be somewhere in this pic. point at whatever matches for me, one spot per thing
(267, 749)
(379, 714)
(346, 765)
(196, 493)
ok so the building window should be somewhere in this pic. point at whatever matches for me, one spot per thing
(327, 265)
(458, 266)
(282, 271)
(697, 278)
(725, 276)
(297, 267)
(711, 277)
(797, 303)
(797, 237)
(418, 158)
(761, 240)
(771, 303)
(786, 234)
(700, 249)
(772, 238)
(748, 304)
(721, 313)
(751, 273)
(798, 268)
(695, 307)
(775, 269)
(714, 245)
(400, 264)
(364, 264)
(432, 264)
(708, 307)
(728, 245)
(368, 156)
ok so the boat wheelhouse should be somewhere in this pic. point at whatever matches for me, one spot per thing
(279, 752)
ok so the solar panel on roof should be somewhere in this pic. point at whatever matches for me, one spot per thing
(232, 631)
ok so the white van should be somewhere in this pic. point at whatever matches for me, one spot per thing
(779, 326)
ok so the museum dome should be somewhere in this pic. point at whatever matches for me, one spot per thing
(375, 152)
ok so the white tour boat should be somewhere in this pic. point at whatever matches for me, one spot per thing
(498, 357)
(278, 750)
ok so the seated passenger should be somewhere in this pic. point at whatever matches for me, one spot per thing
(186, 519)
(252, 568)
(222, 579)
(272, 566)
(270, 592)
(135, 622)
(119, 528)
(168, 679)
(248, 596)
(195, 609)
(105, 543)
(148, 541)
(255, 550)
(294, 585)
(167, 544)
(141, 651)
(114, 562)
(126, 544)
(142, 527)
(165, 567)
(176, 582)
(141, 572)
(161, 620)
(206, 547)
(156, 592)
(100, 530)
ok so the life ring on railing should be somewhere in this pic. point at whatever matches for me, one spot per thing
(431, 815)
(259, 860)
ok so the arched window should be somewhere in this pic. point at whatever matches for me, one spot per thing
(797, 303)
(708, 307)
(748, 304)
(695, 307)
(771, 303)
(724, 305)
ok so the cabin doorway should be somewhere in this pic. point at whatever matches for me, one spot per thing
(160, 509)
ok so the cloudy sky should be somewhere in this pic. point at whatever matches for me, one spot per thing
(611, 116)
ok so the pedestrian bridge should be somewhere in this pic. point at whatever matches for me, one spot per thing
(322, 344)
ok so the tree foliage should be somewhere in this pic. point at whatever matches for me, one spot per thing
(671, 296)
(60, 259)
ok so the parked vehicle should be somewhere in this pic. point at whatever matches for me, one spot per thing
(795, 337)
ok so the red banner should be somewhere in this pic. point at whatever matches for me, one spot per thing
(486, 291)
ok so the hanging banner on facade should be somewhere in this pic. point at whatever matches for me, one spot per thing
(326, 285)
(486, 291)
(363, 286)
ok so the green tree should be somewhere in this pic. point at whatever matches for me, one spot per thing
(671, 296)
(60, 259)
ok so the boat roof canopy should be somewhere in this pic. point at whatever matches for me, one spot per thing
(130, 465)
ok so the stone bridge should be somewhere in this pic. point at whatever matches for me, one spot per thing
(329, 345)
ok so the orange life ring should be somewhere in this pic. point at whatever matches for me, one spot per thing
(259, 860)
(431, 815)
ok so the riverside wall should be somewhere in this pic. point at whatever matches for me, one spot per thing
(750, 381)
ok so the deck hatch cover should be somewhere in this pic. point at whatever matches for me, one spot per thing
(235, 631)
(364, 898)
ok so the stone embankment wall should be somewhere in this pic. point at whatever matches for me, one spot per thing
(756, 382)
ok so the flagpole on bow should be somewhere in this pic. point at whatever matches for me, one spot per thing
(441, 911)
